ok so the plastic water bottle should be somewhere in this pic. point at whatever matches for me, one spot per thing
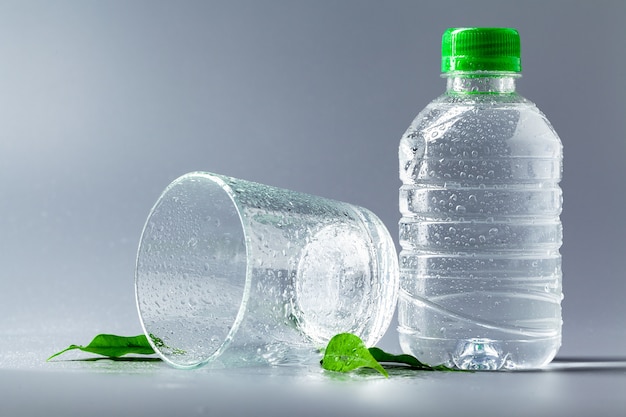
(480, 231)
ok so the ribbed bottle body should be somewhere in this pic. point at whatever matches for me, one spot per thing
(480, 234)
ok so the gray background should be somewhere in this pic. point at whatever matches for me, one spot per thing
(103, 103)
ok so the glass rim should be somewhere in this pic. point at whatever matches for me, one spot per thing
(225, 342)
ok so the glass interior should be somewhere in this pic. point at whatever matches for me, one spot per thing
(191, 276)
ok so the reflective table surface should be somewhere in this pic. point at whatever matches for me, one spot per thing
(79, 384)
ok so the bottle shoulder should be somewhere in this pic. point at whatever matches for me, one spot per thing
(481, 102)
(452, 116)
(451, 132)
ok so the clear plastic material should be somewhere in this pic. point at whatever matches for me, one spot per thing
(480, 268)
(231, 272)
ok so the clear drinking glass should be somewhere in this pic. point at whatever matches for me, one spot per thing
(231, 272)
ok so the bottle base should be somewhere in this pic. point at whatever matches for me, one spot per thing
(481, 354)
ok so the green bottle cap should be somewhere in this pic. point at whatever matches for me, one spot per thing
(480, 49)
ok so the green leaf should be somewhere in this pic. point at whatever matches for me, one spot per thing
(160, 344)
(346, 352)
(384, 357)
(113, 346)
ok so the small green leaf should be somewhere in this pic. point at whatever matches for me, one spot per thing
(160, 344)
(384, 357)
(113, 346)
(346, 352)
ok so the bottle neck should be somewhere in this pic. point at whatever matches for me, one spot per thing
(481, 83)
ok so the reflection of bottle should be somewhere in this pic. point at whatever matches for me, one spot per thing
(480, 201)
(334, 283)
(346, 279)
